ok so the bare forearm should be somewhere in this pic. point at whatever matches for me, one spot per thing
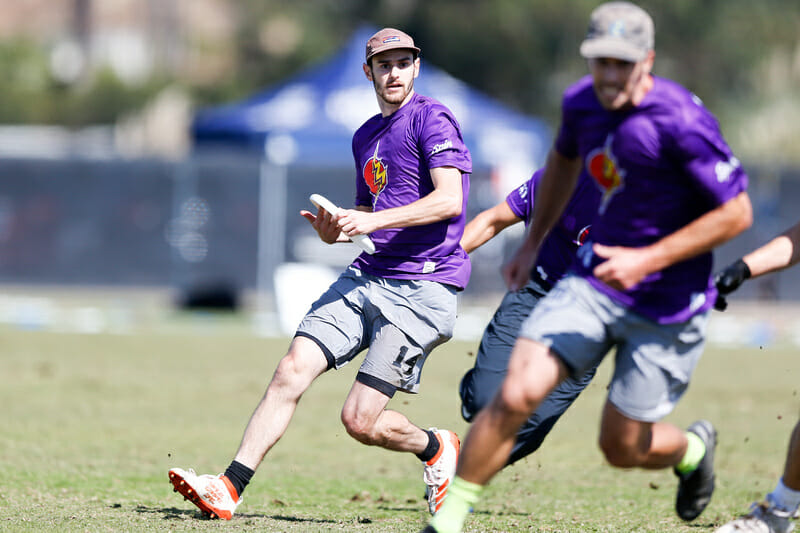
(436, 206)
(779, 253)
(487, 225)
(477, 233)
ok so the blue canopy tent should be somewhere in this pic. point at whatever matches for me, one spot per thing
(318, 110)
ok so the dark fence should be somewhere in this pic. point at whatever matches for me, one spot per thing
(196, 223)
(154, 223)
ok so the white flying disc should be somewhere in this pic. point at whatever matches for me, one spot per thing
(363, 241)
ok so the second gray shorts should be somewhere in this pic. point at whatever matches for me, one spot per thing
(653, 363)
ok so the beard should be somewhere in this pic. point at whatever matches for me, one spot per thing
(615, 97)
(395, 98)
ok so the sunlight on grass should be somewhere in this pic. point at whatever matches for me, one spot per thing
(92, 423)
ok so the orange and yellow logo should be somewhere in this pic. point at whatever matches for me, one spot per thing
(602, 167)
(375, 173)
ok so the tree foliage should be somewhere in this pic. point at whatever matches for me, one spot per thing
(741, 57)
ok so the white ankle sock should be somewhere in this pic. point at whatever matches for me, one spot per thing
(784, 497)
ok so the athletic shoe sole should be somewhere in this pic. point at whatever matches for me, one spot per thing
(189, 494)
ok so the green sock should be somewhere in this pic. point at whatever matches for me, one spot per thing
(694, 454)
(461, 497)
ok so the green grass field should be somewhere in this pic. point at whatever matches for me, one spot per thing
(92, 423)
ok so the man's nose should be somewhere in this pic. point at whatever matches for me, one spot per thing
(612, 73)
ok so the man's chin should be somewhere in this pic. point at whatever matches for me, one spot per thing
(394, 99)
(614, 105)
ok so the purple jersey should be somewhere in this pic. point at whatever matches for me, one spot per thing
(659, 166)
(558, 249)
(393, 157)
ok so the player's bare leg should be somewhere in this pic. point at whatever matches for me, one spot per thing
(532, 373)
(627, 443)
(302, 364)
(220, 495)
(367, 420)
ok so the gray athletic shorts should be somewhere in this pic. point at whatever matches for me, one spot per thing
(653, 364)
(398, 321)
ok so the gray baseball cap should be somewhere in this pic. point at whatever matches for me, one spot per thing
(620, 30)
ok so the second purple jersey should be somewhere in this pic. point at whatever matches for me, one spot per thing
(659, 166)
(393, 157)
(557, 252)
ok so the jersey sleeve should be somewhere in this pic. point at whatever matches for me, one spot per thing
(707, 158)
(520, 200)
(441, 142)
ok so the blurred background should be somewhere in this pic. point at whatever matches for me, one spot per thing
(164, 147)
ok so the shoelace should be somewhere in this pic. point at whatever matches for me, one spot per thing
(434, 474)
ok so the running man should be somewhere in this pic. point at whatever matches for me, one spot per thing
(412, 185)
(671, 192)
(480, 383)
(774, 514)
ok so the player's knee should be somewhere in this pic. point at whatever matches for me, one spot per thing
(283, 373)
(617, 453)
(360, 428)
(291, 373)
(515, 399)
(287, 369)
(303, 362)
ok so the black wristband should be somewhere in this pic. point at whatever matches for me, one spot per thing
(742, 267)
(732, 277)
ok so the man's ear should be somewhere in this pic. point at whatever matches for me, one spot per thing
(649, 60)
(367, 71)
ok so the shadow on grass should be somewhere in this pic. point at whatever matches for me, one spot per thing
(699, 525)
(500, 513)
(398, 509)
(415, 510)
(173, 513)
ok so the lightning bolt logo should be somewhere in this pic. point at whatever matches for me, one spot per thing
(375, 173)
